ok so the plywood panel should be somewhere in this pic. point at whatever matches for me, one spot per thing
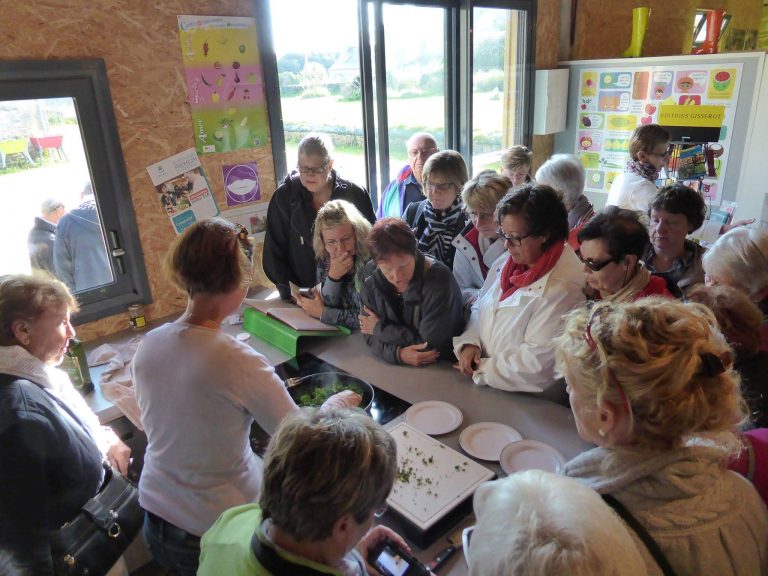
(547, 50)
(139, 42)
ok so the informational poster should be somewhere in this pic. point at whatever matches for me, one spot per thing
(252, 217)
(183, 190)
(224, 82)
(241, 183)
(614, 101)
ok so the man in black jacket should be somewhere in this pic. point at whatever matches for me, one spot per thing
(43, 233)
(288, 254)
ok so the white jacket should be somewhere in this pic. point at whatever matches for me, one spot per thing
(515, 335)
(466, 266)
(631, 191)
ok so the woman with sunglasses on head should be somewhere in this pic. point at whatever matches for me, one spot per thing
(341, 244)
(519, 310)
(650, 384)
(479, 245)
(288, 253)
(611, 247)
(439, 218)
(200, 390)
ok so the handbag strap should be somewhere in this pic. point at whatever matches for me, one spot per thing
(276, 564)
(642, 533)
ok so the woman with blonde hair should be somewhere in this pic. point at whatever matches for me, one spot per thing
(650, 383)
(341, 243)
(439, 218)
(516, 164)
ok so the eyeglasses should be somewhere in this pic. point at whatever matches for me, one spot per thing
(593, 346)
(479, 216)
(339, 242)
(245, 243)
(665, 154)
(591, 264)
(514, 240)
(381, 511)
(440, 186)
(413, 152)
(314, 170)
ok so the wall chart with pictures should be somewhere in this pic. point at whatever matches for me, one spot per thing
(614, 101)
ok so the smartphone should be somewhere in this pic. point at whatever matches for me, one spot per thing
(303, 292)
(391, 560)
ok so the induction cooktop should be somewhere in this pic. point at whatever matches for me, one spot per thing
(385, 406)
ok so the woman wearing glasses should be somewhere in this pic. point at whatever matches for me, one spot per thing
(520, 309)
(341, 245)
(612, 245)
(635, 188)
(478, 245)
(288, 254)
(439, 218)
(650, 384)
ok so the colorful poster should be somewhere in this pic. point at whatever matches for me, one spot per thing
(614, 101)
(241, 183)
(224, 82)
(183, 190)
(252, 217)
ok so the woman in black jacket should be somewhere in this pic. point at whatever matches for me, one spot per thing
(412, 303)
(51, 443)
(288, 254)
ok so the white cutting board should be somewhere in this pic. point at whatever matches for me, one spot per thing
(432, 479)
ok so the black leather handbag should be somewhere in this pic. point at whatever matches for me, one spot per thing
(93, 542)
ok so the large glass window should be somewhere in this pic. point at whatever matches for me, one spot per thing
(65, 206)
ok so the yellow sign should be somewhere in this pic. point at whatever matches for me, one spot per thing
(693, 116)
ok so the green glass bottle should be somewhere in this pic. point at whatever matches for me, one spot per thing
(76, 366)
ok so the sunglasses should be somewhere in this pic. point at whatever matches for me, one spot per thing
(592, 265)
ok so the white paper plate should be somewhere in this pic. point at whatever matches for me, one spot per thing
(486, 440)
(531, 455)
(434, 417)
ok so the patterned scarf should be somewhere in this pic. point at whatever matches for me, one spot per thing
(515, 276)
(440, 231)
(643, 169)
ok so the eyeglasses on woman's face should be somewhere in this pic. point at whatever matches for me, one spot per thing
(480, 216)
(312, 169)
(440, 186)
(514, 240)
(593, 264)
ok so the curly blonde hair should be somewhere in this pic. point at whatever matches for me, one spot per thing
(337, 213)
(665, 361)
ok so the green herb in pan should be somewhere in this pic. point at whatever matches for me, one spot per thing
(322, 393)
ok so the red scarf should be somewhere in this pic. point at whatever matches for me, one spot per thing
(515, 276)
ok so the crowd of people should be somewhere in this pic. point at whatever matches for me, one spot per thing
(659, 340)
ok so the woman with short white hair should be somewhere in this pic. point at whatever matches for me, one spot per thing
(565, 174)
(535, 522)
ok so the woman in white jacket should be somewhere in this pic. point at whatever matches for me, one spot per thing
(508, 341)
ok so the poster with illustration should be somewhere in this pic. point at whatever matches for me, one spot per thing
(614, 101)
(241, 183)
(225, 86)
(183, 190)
(252, 217)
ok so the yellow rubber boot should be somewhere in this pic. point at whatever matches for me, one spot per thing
(639, 25)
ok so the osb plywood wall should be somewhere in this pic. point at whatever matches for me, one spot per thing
(139, 42)
(603, 28)
(547, 49)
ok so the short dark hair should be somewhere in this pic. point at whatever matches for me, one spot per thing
(679, 199)
(391, 236)
(541, 208)
(210, 257)
(621, 230)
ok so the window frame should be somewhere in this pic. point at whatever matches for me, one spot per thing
(458, 89)
(87, 83)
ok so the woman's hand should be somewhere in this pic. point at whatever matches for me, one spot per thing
(368, 321)
(343, 399)
(728, 227)
(374, 536)
(417, 355)
(119, 456)
(469, 359)
(313, 306)
(341, 265)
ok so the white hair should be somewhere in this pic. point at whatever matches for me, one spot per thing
(419, 136)
(565, 174)
(740, 257)
(536, 523)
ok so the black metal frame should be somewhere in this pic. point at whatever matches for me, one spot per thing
(86, 81)
(458, 84)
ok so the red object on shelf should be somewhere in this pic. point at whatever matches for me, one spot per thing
(42, 142)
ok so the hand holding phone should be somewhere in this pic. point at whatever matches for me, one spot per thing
(391, 559)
